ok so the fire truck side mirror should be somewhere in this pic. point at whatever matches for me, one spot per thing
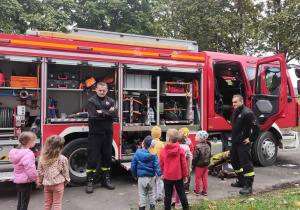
(298, 86)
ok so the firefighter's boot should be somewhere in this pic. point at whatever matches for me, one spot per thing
(240, 181)
(106, 182)
(247, 189)
(89, 182)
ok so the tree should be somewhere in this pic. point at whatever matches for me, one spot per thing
(217, 25)
(280, 29)
(13, 17)
(131, 16)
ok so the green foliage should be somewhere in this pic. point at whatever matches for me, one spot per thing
(249, 27)
(282, 199)
(280, 29)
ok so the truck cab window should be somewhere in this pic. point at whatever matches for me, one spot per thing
(273, 78)
(228, 82)
(251, 75)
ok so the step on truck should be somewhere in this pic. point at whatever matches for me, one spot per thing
(46, 79)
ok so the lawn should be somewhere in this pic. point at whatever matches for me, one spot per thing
(279, 199)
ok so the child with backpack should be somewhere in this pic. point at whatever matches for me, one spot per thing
(144, 165)
(25, 172)
(156, 134)
(201, 160)
(53, 172)
(186, 132)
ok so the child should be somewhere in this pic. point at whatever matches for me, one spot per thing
(186, 133)
(173, 164)
(24, 167)
(188, 155)
(201, 161)
(53, 172)
(156, 134)
(144, 164)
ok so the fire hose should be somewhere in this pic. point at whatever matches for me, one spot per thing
(6, 117)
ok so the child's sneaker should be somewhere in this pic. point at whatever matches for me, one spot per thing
(159, 200)
(178, 206)
(197, 193)
(204, 193)
(187, 192)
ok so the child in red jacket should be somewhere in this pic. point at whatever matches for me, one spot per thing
(173, 165)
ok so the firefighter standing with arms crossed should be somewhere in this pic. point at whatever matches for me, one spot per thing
(102, 111)
(245, 129)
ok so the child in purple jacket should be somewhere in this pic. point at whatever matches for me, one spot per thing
(24, 168)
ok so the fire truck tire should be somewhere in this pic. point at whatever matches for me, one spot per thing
(76, 152)
(264, 149)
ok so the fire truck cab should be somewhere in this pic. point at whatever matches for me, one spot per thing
(154, 81)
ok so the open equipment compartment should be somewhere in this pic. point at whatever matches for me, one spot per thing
(70, 87)
(19, 97)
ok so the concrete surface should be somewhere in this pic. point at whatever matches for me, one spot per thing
(125, 196)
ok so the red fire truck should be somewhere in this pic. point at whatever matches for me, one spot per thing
(45, 83)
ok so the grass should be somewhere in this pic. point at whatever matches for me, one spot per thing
(279, 199)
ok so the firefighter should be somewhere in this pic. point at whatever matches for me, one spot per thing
(102, 112)
(245, 129)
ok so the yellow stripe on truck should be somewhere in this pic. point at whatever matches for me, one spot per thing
(3, 157)
(98, 49)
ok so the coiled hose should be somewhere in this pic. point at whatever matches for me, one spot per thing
(6, 117)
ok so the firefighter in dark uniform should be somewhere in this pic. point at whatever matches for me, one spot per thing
(245, 129)
(102, 112)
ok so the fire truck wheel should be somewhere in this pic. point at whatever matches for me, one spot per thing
(264, 149)
(76, 152)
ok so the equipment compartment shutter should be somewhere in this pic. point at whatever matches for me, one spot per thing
(78, 62)
(161, 68)
(19, 58)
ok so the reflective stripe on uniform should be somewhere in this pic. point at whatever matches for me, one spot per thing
(239, 171)
(249, 174)
(105, 169)
(90, 170)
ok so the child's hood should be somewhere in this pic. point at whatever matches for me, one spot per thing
(188, 141)
(144, 155)
(156, 132)
(172, 149)
(15, 155)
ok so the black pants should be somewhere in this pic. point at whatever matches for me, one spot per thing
(187, 185)
(240, 155)
(24, 191)
(168, 185)
(99, 144)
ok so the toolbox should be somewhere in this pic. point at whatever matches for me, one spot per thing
(26, 82)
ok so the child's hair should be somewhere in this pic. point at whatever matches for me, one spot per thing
(173, 135)
(182, 138)
(26, 137)
(185, 130)
(52, 149)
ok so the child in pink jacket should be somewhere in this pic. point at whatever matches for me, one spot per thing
(24, 167)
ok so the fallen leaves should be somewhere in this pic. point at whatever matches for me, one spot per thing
(297, 203)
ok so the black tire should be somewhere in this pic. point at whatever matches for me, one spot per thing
(264, 149)
(76, 152)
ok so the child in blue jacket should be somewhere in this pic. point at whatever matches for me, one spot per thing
(144, 165)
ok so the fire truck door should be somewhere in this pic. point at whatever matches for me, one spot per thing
(270, 90)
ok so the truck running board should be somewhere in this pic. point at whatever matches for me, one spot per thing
(126, 165)
(6, 176)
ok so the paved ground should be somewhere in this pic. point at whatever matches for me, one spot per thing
(125, 196)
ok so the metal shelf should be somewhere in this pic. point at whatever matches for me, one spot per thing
(17, 88)
(141, 90)
(58, 89)
(175, 94)
(76, 90)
